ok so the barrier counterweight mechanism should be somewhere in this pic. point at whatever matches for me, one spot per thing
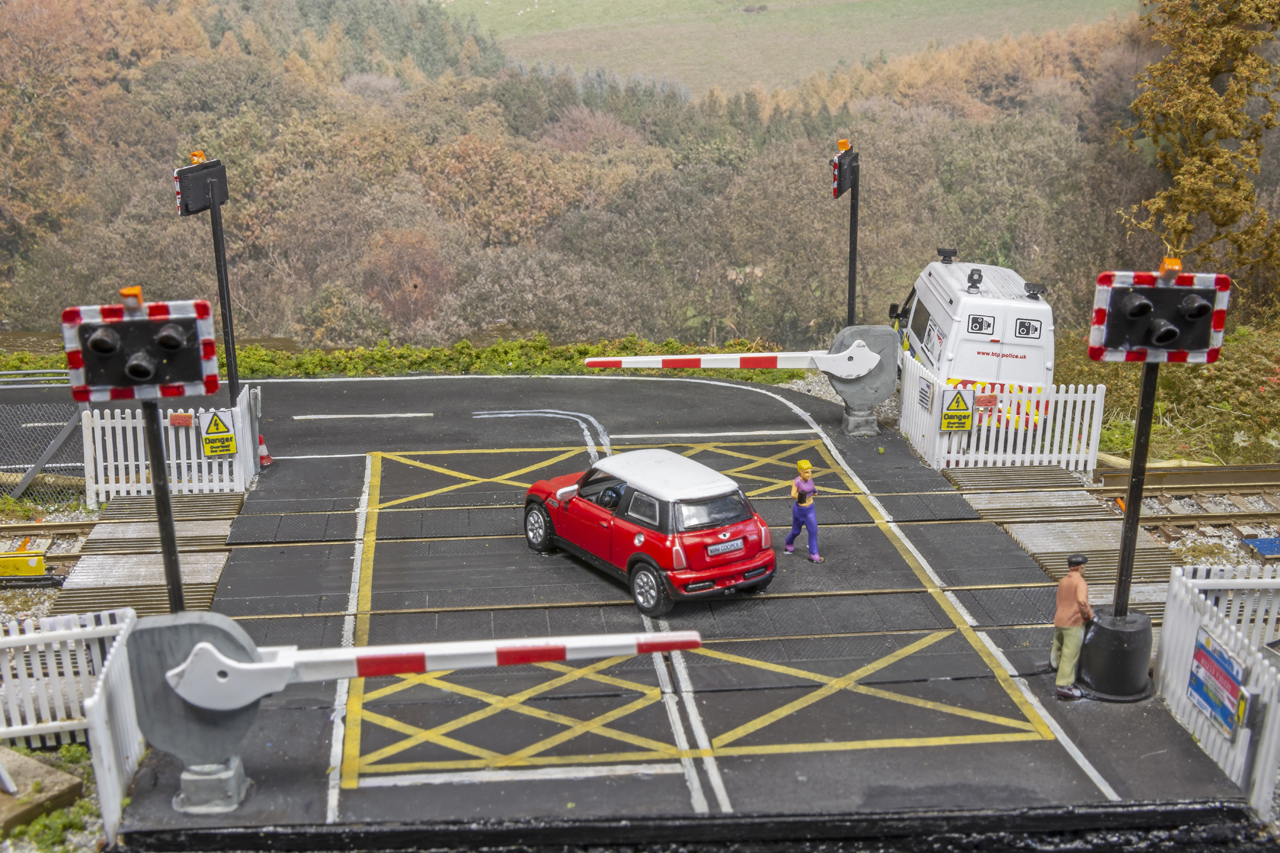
(1148, 317)
(144, 351)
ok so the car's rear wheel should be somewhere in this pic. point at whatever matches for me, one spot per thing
(537, 528)
(755, 589)
(649, 591)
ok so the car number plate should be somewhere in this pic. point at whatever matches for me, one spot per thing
(724, 547)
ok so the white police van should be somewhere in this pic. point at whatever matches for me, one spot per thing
(975, 323)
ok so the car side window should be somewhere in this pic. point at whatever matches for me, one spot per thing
(643, 509)
(596, 483)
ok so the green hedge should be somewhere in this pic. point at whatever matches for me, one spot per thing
(526, 357)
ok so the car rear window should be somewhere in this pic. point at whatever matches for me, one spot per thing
(713, 512)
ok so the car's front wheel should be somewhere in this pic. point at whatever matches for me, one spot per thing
(649, 591)
(537, 528)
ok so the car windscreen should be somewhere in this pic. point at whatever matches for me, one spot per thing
(712, 512)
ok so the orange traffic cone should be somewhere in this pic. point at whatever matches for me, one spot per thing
(264, 458)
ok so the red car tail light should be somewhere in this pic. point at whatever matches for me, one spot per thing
(677, 556)
(766, 538)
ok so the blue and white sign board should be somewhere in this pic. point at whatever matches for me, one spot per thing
(1216, 685)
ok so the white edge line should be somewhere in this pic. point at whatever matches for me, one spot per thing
(697, 797)
(586, 431)
(335, 417)
(348, 638)
(1058, 732)
(481, 776)
(325, 456)
(714, 434)
(699, 730)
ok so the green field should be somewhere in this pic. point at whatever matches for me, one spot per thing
(705, 43)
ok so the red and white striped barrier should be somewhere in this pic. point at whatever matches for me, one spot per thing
(858, 360)
(209, 679)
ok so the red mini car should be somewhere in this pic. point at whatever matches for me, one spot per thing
(672, 528)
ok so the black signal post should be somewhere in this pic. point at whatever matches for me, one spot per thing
(144, 351)
(1137, 480)
(844, 178)
(203, 186)
(1155, 317)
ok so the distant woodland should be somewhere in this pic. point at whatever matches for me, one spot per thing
(394, 178)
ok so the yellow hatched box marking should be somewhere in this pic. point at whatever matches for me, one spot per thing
(766, 469)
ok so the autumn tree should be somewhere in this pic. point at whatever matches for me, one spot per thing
(1203, 108)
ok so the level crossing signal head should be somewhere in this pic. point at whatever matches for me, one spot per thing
(197, 186)
(844, 167)
(140, 350)
(1159, 316)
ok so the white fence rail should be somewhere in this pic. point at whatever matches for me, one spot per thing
(115, 454)
(1240, 614)
(48, 668)
(1056, 425)
(116, 741)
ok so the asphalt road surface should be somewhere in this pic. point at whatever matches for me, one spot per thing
(900, 676)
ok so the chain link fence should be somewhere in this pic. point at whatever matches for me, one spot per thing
(26, 432)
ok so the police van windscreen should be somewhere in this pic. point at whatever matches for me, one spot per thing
(919, 320)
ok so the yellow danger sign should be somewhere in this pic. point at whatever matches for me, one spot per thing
(217, 433)
(957, 410)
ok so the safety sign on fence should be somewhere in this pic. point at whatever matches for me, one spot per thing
(957, 410)
(217, 433)
(1216, 685)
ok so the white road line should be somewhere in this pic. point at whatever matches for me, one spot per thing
(533, 775)
(348, 638)
(697, 798)
(586, 430)
(336, 417)
(696, 795)
(695, 721)
(714, 434)
(28, 426)
(325, 456)
(600, 430)
(1058, 732)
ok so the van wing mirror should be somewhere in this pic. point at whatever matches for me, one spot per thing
(893, 311)
(567, 492)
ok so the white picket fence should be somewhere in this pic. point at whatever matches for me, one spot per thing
(115, 741)
(1241, 615)
(115, 454)
(67, 677)
(1056, 425)
(48, 669)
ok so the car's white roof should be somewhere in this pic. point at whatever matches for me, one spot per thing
(667, 476)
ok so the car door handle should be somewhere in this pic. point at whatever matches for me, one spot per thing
(604, 524)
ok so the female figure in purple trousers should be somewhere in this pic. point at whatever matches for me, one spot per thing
(803, 512)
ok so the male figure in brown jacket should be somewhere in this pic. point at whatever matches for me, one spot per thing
(1068, 626)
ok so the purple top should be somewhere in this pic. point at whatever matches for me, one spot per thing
(806, 490)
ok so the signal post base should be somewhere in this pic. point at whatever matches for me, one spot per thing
(1116, 656)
